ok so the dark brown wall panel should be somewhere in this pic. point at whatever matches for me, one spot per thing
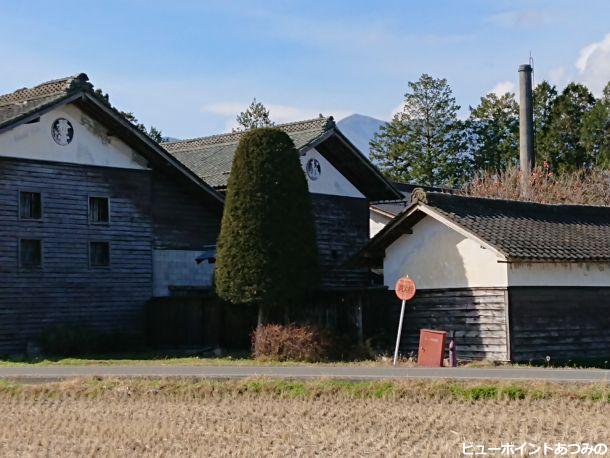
(476, 315)
(66, 288)
(182, 221)
(342, 229)
(560, 322)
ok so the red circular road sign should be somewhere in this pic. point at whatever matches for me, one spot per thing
(405, 288)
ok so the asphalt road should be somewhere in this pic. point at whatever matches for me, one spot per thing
(53, 373)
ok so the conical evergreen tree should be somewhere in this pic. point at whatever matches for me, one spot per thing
(267, 254)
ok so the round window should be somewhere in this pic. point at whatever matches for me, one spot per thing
(313, 168)
(62, 131)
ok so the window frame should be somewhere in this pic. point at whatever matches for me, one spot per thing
(32, 267)
(31, 191)
(90, 253)
(97, 223)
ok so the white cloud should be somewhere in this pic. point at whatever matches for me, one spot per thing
(584, 55)
(278, 113)
(593, 65)
(503, 87)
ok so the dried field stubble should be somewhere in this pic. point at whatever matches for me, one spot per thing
(145, 418)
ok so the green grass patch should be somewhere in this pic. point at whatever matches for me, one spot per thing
(170, 359)
(243, 358)
(309, 389)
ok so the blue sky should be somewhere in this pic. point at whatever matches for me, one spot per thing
(188, 67)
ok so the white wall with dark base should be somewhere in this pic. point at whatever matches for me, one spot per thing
(499, 310)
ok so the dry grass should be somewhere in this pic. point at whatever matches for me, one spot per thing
(587, 187)
(278, 418)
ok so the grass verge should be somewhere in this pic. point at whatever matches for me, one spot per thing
(244, 359)
(297, 389)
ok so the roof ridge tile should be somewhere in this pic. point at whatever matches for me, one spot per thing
(432, 195)
(322, 123)
(48, 88)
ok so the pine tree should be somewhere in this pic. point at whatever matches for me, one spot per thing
(267, 254)
(596, 130)
(256, 115)
(494, 132)
(545, 97)
(424, 143)
(566, 150)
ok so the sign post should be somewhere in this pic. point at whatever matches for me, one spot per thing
(405, 290)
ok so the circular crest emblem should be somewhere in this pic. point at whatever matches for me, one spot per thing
(405, 288)
(62, 131)
(313, 168)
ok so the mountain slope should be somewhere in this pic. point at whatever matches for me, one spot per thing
(359, 129)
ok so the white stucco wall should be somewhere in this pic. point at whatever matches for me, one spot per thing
(559, 274)
(178, 268)
(436, 256)
(90, 143)
(330, 180)
(377, 221)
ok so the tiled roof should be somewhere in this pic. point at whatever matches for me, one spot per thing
(522, 231)
(394, 207)
(211, 157)
(23, 102)
(391, 208)
(18, 106)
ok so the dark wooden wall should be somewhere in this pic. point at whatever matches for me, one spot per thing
(182, 221)
(342, 229)
(66, 289)
(477, 315)
(560, 322)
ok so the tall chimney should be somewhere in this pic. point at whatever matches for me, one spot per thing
(526, 124)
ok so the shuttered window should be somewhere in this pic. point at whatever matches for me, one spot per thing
(99, 254)
(99, 210)
(30, 205)
(30, 253)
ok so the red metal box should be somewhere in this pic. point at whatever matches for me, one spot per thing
(431, 348)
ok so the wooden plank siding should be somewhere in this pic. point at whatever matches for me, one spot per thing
(477, 315)
(342, 229)
(182, 221)
(66, 289)
(560, 322)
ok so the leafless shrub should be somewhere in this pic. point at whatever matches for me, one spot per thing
(588, 187)
(290, 343)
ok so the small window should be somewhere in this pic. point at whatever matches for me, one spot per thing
(30, 205)
(99, 254)
(30, 253)
(99, 210)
